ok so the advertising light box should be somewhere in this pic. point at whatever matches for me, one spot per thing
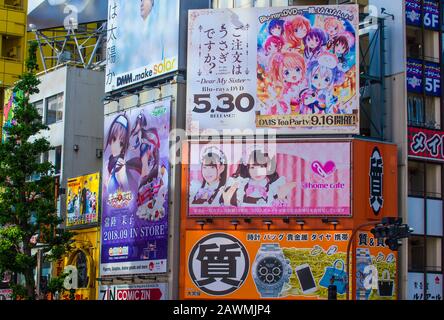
(265, 265)
(273, 179)
(82, 201)
(290, 69)
(143, 41)
(135, 191)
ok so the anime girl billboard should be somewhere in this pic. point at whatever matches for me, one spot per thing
(292, 69)
(269, 180)
(309, 80)
(135, 190)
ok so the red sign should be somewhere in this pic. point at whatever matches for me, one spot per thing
(139, 294)
(426, 144)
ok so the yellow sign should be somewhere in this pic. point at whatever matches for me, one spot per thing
(82, 200)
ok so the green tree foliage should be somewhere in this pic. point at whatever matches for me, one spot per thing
(27, 189)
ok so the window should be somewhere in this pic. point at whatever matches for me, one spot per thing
(416, 253)
(416, 178)
(39, 106)
(415, 105)
(58, 159)
(419, 171)
(54, 109)
(433, 254)
(424, 112)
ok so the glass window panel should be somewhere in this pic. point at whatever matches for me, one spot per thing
(280, 3)
(416, 253)
(416, 214)
(433, 255)
(416, 178)
(217, 4)
(433, 180)
(243, 3)
(434, 217)
(54, 109)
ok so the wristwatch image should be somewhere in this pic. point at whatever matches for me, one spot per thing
(270, 270)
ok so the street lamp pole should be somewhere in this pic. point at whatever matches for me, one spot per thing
(350, 241)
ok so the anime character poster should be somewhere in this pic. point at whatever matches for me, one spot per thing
(292, 69)
(8, 110)
(135, 190)
(143, 41)
(282, 179)
(82, 200)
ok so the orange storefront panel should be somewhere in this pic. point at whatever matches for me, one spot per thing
(264, 265)
(375, 188)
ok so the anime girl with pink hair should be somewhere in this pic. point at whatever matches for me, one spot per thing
(295, 31)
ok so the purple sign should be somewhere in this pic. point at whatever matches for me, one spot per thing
(429, 11)
(135, 191)
(432, 75)
(414, 75)
(431, 14)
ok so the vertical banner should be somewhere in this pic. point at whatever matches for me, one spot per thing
(293, 69)
(413, 11)
(376, 269)
(276, 179)
(135, 191)
(82, 200)
(143, 41)
(8, 110)
(375, 176)
(265, 265)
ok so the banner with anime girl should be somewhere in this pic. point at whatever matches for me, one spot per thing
(282, 179)
(135, 190)
(293, 69)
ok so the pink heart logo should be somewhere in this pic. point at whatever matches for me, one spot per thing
(323, 170)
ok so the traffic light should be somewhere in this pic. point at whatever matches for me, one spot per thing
(392, 230)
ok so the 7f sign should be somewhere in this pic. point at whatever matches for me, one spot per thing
(376, 175)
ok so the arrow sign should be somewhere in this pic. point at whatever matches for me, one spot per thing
(437, 280)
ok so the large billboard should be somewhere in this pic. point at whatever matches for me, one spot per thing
(46, 14)
(293, 69)
(143, 40)
(265, 265)
(82, 200)
(274, 179)
(135, 191)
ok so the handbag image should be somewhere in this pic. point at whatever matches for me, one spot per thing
(385, 285)
(335, 276)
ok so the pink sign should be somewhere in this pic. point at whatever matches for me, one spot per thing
(280, 179)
